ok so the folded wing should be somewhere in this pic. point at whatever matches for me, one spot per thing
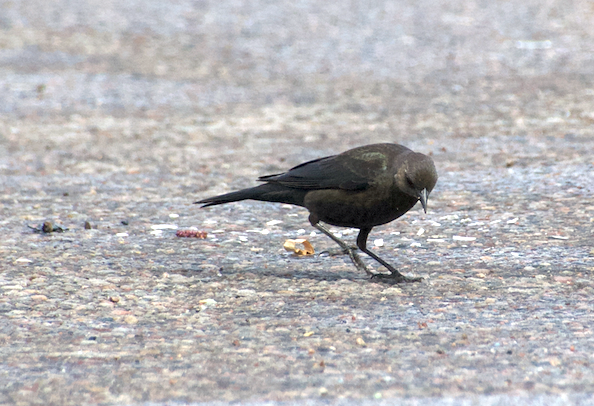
(347, 171)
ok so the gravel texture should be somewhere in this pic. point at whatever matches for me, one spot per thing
(117, 116)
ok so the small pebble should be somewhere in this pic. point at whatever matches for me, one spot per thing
(164, 227)
(462, 238)
(131, 319)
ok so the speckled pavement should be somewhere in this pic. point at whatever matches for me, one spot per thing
(117, 117)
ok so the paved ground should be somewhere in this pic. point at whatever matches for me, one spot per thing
(121, 115)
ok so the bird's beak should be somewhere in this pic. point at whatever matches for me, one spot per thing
(423, 198)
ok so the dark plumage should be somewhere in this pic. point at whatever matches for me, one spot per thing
(361, 188)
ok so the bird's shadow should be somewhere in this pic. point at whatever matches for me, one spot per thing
(225, 272)
(228, 272)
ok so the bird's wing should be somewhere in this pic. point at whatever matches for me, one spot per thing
(347, 172)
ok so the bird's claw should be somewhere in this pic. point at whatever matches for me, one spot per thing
(395, 277)
(339, 251)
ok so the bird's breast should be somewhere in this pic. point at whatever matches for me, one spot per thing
(357, 209)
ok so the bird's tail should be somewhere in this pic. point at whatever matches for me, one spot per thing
(268, 192)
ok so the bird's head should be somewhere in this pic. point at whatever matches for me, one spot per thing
(417, 177)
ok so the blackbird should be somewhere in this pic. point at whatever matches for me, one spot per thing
(360, 188)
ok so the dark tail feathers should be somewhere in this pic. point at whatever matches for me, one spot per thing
(268, 192)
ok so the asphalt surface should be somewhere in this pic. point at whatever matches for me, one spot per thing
(117, 116)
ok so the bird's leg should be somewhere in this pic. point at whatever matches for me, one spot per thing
(394, 276)
(349, 250)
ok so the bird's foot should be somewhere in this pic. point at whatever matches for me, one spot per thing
(352, 248)
(339, 251)
(358, 261)
(394, 278)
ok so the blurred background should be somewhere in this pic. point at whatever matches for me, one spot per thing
(184, 56)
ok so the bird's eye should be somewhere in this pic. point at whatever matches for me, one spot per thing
(410, 182)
